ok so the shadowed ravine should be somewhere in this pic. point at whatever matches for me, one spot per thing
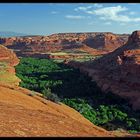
(79, 92)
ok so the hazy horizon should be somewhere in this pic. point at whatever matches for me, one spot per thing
(25, 34)
(51, 18)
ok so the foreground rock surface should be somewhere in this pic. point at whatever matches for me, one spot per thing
(22, 115)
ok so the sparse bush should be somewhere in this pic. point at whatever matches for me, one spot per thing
(50, 96)
(132, 131)
(32, 93)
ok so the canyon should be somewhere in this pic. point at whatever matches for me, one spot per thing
(117, 71)
(26, 115)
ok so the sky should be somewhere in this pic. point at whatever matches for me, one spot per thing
(50, 18)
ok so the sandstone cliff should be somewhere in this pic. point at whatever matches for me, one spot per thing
(97, 42)
(8, 56)
(106, 41)
(118, 71)
(8, 60)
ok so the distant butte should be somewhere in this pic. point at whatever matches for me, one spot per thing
(94, 42)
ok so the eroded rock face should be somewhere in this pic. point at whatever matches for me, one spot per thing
(103, 42)
(119, 71)
(8, 60)
(106, 41)
(8, 56)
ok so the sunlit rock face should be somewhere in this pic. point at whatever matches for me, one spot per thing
(118, 71)
(8, 56)
(103, 42)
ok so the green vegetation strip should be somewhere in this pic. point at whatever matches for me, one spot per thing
(58, 82)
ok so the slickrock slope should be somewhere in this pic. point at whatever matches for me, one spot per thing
(8, 59)
(119, 71)
(97, 42)
(24, 115)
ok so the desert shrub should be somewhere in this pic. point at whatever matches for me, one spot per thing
(109, 117)
(50, 96)
(132, 131)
